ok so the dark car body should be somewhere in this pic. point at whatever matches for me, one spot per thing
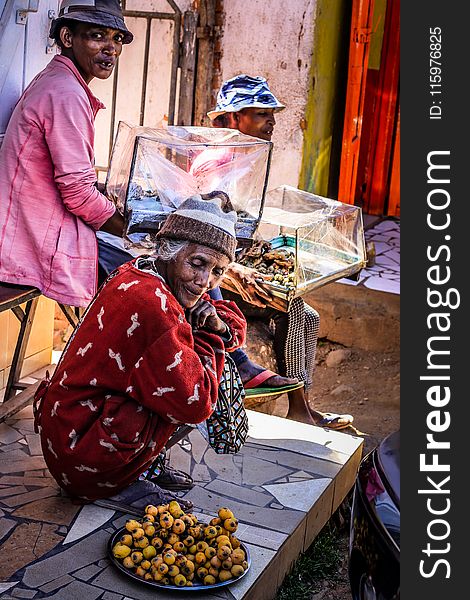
(374, 542)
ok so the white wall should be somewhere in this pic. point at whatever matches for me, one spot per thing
(23, 50)
(274, 39)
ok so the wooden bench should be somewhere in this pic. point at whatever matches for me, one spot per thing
(12, 298)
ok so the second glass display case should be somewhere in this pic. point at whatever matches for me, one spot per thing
(303, 242)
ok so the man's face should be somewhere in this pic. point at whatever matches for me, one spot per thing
(196, 270)
(93, 49)
(258, 122)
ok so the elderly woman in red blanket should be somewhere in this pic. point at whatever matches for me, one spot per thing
(147, 357)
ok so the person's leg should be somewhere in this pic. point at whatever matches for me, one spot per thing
(311, 329)
(296, 343)
(248, 369)
(290, 347)
(110, 258)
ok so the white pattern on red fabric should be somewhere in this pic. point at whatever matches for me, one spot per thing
(89, 469)
(99, 316)
(107, 421)
(135, 324)
(163, 390)
(54, 409)
(61, 382)
(93, 381)
(172, 419)
(137, 364)
(163, 299)
(129, 390)
(108, 445)
(51, 449)
(139, 448)
(74, 439)
(208, 364)
(65, 480)
(195, 396)
(90, 405)
(82, 351)
(176, 362)
(117, 357)
(126, 286)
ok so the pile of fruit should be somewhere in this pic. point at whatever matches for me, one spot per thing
(171, 547)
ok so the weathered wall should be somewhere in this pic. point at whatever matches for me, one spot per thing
(24, 48)
(274, 40)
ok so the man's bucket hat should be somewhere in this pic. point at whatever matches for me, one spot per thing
(107, 13)
(244, 91)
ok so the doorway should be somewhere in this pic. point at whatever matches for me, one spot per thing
(370, 160)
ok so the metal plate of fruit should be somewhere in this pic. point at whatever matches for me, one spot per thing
(175, 551)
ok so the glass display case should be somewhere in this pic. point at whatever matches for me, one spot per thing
(153, 170)
(303, 242)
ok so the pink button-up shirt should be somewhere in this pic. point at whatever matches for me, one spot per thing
(49, 204)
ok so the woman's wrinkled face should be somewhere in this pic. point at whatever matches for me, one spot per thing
(258, 122)
(93, 49)
(195, 270)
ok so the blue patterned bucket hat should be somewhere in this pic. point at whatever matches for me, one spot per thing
(244, 91)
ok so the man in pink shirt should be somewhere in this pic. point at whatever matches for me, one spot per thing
(50, 206)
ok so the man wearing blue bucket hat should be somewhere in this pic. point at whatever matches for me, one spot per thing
(247, 104)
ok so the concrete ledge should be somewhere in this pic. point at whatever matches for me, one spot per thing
(283, 487)
(358, 316)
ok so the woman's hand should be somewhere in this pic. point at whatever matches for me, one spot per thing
(204, 315)
(246, 284)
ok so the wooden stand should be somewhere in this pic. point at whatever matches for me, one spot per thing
(11, 298)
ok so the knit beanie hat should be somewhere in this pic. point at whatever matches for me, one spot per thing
(208, 220)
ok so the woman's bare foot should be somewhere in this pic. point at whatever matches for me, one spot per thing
(249, 369)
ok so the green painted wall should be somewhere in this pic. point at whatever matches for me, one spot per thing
(376, 39)
(323, 118)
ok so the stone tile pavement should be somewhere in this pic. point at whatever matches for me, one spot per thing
(283, 486)
(384, 275)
